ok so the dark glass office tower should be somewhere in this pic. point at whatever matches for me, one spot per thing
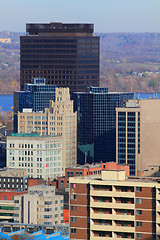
(67, 55)
(35, 97)
(96, 125)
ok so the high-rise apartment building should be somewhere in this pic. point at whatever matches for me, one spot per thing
(39, 206)
(114, 207)
(67, 55)
(96, 123)
(41, 156)
(137, 134)
(57, 120)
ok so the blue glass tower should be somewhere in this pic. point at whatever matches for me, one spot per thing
(35, 96)
(96, 125)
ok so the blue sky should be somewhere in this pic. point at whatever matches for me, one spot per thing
(107, 15)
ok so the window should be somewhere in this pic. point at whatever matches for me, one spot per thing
(73, 208)
(47, 202)
(73, 185)
(56, 201)
(138, 189)
(139, 224)
(138, 212)
(62, 183)
(73, 197)
(71, 174)
(139, 235)
(16, 215)
(4, 197)
(73, 219)
(139, 200)
(73, 230)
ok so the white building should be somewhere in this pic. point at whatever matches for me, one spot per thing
(41, 156)
(39, 206)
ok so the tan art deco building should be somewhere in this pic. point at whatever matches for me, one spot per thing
(138, 134)
(113, 206)
(57, 120)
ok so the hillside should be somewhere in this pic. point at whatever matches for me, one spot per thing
(128, 61)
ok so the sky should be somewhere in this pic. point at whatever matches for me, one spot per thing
(107, 15)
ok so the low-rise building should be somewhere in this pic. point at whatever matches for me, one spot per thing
(41, 156)
(89, 169)
(39, 206)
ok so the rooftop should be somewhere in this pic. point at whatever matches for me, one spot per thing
(34, 135)
(58, 27)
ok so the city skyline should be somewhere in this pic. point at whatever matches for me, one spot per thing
(107, 15)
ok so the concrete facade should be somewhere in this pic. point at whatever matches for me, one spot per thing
(41, 156)
(145, 137)
(39, 206)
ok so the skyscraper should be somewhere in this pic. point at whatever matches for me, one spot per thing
(57, 120)
(137, 134)
(96, 123)
(65, 54)
(36, 97)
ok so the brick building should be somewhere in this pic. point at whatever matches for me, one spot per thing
(86, 170)
(114, 207)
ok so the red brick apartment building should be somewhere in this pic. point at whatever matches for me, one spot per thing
(113, 206)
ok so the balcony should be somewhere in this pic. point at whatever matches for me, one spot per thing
(112, 194)
(112, 205)
(112, 216)
(107, 238)
(112, 228)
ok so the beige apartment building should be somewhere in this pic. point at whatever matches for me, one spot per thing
(57, 120)
(40, 156)
(137, 134)
(113, 206)
(39, 206)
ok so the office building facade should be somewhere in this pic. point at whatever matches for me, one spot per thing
(67, 55)
(114, 207)
(96, 123)
(41, 156)
(36, 97)
(137, 138)
(57, 120)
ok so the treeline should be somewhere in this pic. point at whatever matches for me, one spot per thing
(128, 62)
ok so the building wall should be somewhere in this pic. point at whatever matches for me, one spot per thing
(39, 206)
(66, 59)
(7, 204)
(142, 146)
(63, 182)
(149, 128)
(40, 156)
(59, 120)
(115, 209)
(96, 123)
(79, 205)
